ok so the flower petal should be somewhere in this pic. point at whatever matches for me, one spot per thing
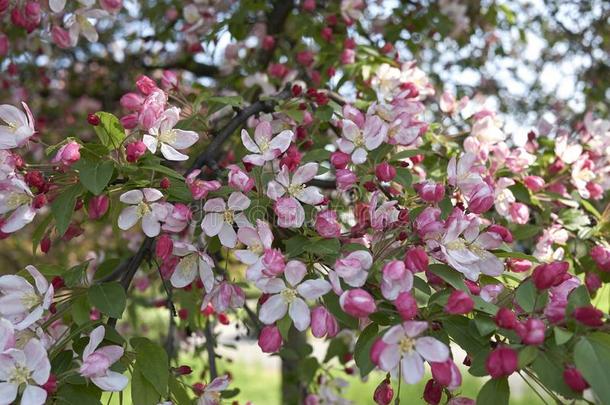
(314, 289)
(273, 309)
(299, 313)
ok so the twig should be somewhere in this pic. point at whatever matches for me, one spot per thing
(209, 345)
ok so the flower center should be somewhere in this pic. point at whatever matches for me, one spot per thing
(229, 216)
(20, 375)
(406, 345)
(257, 248)
(263, 146)
(143, 209)
(16, 200)
(457, 244)
(30, 300)
(190, 263)
(289, 294)
(358, 140)
(295, 189)
(168, 136)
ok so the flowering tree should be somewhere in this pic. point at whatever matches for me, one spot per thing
(320, 184)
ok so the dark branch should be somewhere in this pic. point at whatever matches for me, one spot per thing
(210, 345)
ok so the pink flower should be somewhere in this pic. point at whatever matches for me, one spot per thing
(164, 246)
(490, 292)
(531, 331)
(96, 363)
(68, 154)
(270, 339)
(589, 316)
(601, 256)
(19, 126)
(273, 262)
(459, 303)
(416, 259)
(357, 142)
(385, 171)
(239, 179)
(353, 268)
(433, 392)
(534, 183)
(289, 211)
(200, 188)
(163, 135)
(405, 347)
(429, 191)
(357, 303)
(550, 274)
(481, 198)
(446, 374)
(135, 150)
(211, 394)
(143, 205)
(265, 147)
(152, 109)
(345, 179)
(25, 371)
(193, 263)
(395, 278)
(146, 85)
(291, 298)
(177, 218)
(224, 296)
(428, 224)
(406, 305)
(98, 206)
(169, 80)
(132, 101)
(327, 225)
(384, 215)
(323, 323)
(61, 37)
(339, 159)
(574, 379)
(501, 362)
(383, 393)
(505, 318)
(519, 213)
(220, 217)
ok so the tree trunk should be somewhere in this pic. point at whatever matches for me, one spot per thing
(293, 388)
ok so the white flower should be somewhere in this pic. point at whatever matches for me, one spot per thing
(20, 302)
(357, 142)
(354, 268)
(57, 6)
(503, 196)
(193, 262)
(265, 147)
(212, 391)
(567, 153)
(24, 371)
(487, 130)
(296, 187)
(96, 363)
(163, 134)
(219, 218)
(142, 205)
(18, 128)
(404, 347)
(290, 298)
(79, 23)
(16, 196)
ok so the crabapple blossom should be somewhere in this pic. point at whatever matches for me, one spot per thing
(79, 23)
(16, 197)
(404, 346)
(164, 136)
(221, 216)
(395, 279)
(353, 268)
(192, 263)
(23, 372)
(265, 146)
(291, 298)
(97, 362)
(357, 141)
(143, 205)
(18, 126)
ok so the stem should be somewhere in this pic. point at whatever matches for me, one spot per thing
(209, 345)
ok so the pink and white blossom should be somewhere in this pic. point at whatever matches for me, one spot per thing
(353, 268)
(24, 371)
(142, 206)
(18, 126)
(170, 140)
(212, 392)
(357, 141)
(221, 216)
(265, 146)
(16, 197)
(97, 362)
(192, 263)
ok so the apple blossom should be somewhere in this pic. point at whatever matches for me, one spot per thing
(192, 263)
(357, 141)
(143, 205)
(25, 371)
(221, 216)
(16, 197)
(164, 136)
(97, 362)
(18, 126)
(265, 146)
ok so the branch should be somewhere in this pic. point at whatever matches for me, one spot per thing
(209, 345)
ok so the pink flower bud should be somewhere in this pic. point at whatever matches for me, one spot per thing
(406, 305)
(550, 274)
(270, 339)
(68, 154)
(433, 392)
(601, 257)
(481, 198)
(51, 385)
(573, 379)
(446, 374)
(534, 183)
(268, 43)
(61, 37)
(327, 225)
(505, 318)
(112, 6)
(395, 278)
(429, 191)
(503, 232)
(32, 14)
(146, 85)
(531, 331)
(593, 282)
(519, 265)
(239, 179)
(383, 393)
(323, 323)
(348, 56)
(339, 159)
(385, 171)
(129, 121)
(357, 303)
(428, 222)
(135, 151)
(289, 212)
(45, 245)
(416, 259)
(274, 262)
(459, 303)
(589, 316)
(519, 213)
(596, 191)
(309, 5)
(98, 205)
(304, 58)
(345, 179)
(501, 362)
(132, 101)
(278, 70)
(183, 370)
(164, 246)
(169, 80)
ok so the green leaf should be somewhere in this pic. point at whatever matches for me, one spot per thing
(110, 131)
(152, 362)
(109, 298)
(521, 232)
(592, 356)
(579, 297)
(62, 207)
(562, 336)
(39, 232)
(529, 298)
(407, 154)
(403, 177)
(94, 176)
(323, 247)
(494, 391)
(363, 348)
(316, 155)
(467, 337)
(70, 394)
(75, 276)
(515, 255)
(295, 245)
(284, 325)
(547, 366)
(449, 275)
(180, 395)
(142, 391)
(331, 302)
(159, 168)
(527, 356)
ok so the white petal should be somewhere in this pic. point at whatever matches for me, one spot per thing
(227, 235)
(256, 160)
(389, 358)
(185, 273)
(432, 349)
(299, 312)
(305, 173)
(275, 190)
(150, 225)
(282, 141)
(412, 368)
(112, 381)
(273, 309)
(57, 5)
(238, 201)
(215, 205)
(248, 142)
(294, 272)
(212, 223)
(8, 392)
(19, 218)
(310, 195)
(95, 338)
(313, 289)
(128, 217)
(172, 154)
(33, 395)
(150, 142)
(184, 139)
(359, 156)
(132, 197)
(263, 132)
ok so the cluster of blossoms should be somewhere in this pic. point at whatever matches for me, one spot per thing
(370, 227)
